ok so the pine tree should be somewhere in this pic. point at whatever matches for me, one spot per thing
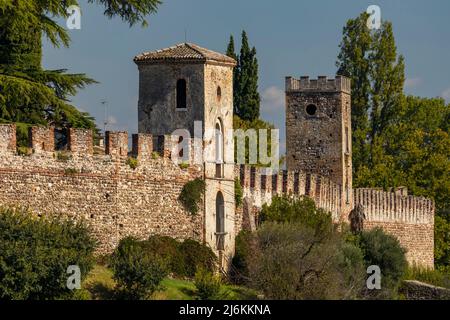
(30, 94)
(248, 103)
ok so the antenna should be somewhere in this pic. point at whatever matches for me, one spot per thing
(105, 121)
(185, 35)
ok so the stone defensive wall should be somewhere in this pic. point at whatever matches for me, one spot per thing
(259, 185)
(410, 219)
(100, 188)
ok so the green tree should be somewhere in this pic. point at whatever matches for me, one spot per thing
(246, 95)
(384, 251)
(30, 94)
(138, 272)
(371, 61)
(397, 140)
(353, 62)
(36, 252)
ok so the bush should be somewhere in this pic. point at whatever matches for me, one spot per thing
(194, 256)
(239, 270)
(168, 249)
(303, 211)
(291, 261)
(191, 194)
(238, 193)
(430, 276)
(132, 162)
(36, 252)
(138, 272)
(384, 250)
(207, 284)
(184, 165)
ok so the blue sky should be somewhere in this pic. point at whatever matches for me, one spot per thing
(291, 37)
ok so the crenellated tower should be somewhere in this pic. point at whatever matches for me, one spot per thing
(318, 130)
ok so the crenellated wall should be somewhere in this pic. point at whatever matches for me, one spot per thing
(410, 219)
(260, 185)
(114, 199)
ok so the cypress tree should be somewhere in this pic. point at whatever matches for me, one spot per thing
(248, 103)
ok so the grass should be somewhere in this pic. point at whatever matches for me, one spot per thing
(100, 285)
(433, 277)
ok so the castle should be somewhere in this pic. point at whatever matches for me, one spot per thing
(184, 90)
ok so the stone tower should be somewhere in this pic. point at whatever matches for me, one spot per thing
(189, 87)
(318, 130)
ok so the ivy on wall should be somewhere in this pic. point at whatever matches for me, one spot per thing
(191, 195)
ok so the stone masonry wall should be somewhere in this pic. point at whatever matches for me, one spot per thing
(114, 199)
(410, 219)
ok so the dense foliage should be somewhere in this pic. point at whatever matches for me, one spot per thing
(35, 254)
(191, 195)
(384, 251)
(398, 140)
(28, 93)
(138, 272)
(207, 284)
(298, 253)
(182, 258)
(246, 95)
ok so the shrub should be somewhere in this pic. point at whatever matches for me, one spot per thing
(70, 171)
(430, 276)
(292, 261)
(196, 255)
(63, 156)
(239, 270)
(384, 250)
(303, 211)
(132, 162)
(138, 272)
(36, 252)
(168, 249)
(191, 195)
(238, 193)
(155, 155)
(207, 284)
(184, 165)
(24, 151)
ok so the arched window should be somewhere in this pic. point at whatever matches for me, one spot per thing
(220, 222)
(219, 150)
(181, 94)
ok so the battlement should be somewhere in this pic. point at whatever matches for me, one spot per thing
(80, 143)
(261, 184)
(304, 84)
(382, 206)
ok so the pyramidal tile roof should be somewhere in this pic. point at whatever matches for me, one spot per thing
(184, 52)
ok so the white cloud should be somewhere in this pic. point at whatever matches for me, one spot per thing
(446, 95)
(413, 82)
(272, 100)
